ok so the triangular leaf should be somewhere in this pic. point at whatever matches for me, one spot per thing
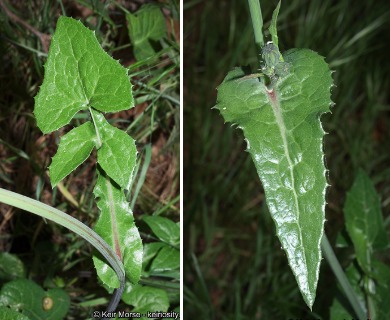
(284, 137)
(116, 226)
(79, 74)
(74, 149)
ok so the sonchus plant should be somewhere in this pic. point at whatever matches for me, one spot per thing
(80, 76)
(279, 111)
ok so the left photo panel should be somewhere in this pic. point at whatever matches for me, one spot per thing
(90, 159)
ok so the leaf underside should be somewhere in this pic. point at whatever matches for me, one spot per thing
(284, 137)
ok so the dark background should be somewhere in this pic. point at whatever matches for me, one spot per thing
(234, 267)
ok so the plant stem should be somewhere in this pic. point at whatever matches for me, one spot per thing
(99, 139)
(342, 278)
(257, 22)
(67, 221)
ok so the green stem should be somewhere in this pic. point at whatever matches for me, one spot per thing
(67, 221)
(342, 278)
(99, 139)
(257, 22)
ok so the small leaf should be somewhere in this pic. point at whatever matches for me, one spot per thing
(284, 136)
(118, 153)
(116, 226)
(11, 267)
(74, 149)
(146, 299)
(272, 28)
(167, 259)
(79, 74)
(364, 221)
(165, 229)
(146, 28)
(26, 296)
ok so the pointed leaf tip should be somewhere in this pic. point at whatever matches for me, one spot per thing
(285, 134)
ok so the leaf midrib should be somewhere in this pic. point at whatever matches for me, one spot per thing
(83, 86)
(114, 226)
(273, 98)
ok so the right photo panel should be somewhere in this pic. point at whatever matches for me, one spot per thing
(286, 159)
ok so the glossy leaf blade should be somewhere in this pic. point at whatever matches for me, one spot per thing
(117, 154)
(284, 136)
(74, 149)
(116, 226)
(364, 221)
(79, 74)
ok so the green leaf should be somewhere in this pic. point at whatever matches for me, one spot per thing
(364, 220)
(11, 267)
(165, 229)
(146, 27)
(145, 299)
(74, 149)
(79, 74)
(167, 259)
(340, 308)
(381, 291)
(272, 28)
(284, 136)
(34, 302)
(117, 154)
(9, 314)
(150, 251)
(375, 292)
(116, 226)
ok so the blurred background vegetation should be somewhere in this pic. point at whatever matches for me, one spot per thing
(234, 267)
(53, 256)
